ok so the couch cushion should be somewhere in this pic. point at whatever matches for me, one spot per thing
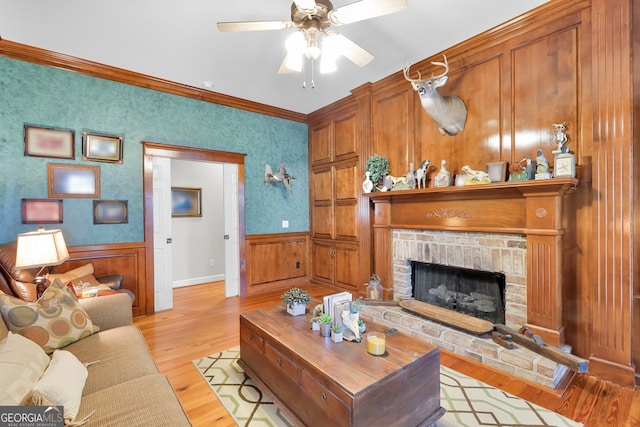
(22, 363)
(54, 321)
(10, 272)
(121, 355)
(144, 401)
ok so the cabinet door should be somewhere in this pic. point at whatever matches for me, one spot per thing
(321, 144)
(346, 266)
(345, 132)
(346, 202)
(323, 265)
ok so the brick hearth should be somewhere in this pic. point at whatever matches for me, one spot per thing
(504, 253)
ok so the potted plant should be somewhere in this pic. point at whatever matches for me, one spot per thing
(362, 326)
(336, 333)
(296, 300)
(325, 325)
(355, 308)
(378, 167)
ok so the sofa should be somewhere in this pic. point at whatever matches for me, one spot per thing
(84, 354)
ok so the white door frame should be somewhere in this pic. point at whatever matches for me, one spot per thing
(152, 149)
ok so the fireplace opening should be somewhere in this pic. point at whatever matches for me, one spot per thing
(473, 292)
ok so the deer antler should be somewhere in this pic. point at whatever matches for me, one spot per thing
(406, 75)
(444, 64)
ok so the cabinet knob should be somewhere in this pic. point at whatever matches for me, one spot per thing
(279, 362)
(250, 337)
(323, 396)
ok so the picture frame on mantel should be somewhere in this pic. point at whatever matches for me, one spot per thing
(101, 147)
(73, 181)
(43, 141)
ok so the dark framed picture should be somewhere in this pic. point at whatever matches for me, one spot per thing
(41, 211)
(101, 147)
(73, 180)
(41, 141)
(110, 211)
(186, 202)
(497, 171)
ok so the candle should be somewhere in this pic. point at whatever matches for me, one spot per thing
(376, 343)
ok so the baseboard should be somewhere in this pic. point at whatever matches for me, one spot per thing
(197, 281)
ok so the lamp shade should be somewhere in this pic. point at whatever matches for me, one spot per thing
(41, 248)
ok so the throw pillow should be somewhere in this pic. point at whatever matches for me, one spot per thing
(54, 321)
(62, 383)
(76, 273)
(22, 363)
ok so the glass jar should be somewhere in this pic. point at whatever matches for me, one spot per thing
(374, 289)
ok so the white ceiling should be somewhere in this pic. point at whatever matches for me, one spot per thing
(179, 41)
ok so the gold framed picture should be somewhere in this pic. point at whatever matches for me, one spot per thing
(100, 147)
(186, 202)
(110, 211)
(41, 211)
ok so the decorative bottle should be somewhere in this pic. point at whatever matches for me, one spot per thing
(367, 185)
(374, 289)
(443, 178)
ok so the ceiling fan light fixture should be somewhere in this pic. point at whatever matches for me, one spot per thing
(306, 5)
(295, 44)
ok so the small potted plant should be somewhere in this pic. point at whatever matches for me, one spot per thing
(336, 333)
(362, 326)
(355, 308)
(325, 325)
(296, 300)
(378, 167)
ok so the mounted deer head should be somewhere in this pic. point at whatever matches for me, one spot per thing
(448, 112)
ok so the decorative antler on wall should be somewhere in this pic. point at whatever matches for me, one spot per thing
(281, 176)
(448, 112)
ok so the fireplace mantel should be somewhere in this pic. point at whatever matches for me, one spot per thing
(530, 208)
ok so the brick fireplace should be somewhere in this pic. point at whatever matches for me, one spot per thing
(513, 228)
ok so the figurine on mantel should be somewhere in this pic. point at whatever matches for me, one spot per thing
(475, 177)
(542, 168)
(443, 178)
(560, 138)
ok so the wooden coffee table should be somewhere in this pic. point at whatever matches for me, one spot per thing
(318, 382)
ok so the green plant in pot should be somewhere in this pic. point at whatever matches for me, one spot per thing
(325, 325)
(336, 333)
(378, 167)
(296, 300)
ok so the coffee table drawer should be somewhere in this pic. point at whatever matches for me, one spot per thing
(251, 338)
(281, 361)
(324, 405)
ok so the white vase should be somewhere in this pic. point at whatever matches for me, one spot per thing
(296, 309)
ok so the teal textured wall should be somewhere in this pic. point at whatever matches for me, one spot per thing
(38, 95)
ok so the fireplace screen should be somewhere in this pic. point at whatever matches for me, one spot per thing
(473, 292)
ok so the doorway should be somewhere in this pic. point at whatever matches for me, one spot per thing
(234, 165)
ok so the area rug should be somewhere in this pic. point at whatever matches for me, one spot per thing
(468, 402)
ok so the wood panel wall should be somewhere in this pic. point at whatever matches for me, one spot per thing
(127, 259)
(276, 261)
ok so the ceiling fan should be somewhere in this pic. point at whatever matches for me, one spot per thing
(314, 37)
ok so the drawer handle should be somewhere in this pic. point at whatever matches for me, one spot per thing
(279, 362)
(324, 396)
(250, 337)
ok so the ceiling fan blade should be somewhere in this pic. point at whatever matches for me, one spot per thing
(352, 51)
(365, 9)
(254, 25)
(290, 64)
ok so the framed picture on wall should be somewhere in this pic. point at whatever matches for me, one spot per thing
(186, 202)
(110, 211)
(497, 171)
(41, 141)
(67, 180)
(101, 147)
(41, 211)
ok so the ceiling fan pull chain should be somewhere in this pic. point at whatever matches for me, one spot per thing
(313, 83)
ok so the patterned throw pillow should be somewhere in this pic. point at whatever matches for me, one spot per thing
(54, 321)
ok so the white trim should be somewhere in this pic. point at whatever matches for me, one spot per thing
(197, 281)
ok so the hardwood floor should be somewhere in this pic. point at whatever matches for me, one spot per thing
(203, 321)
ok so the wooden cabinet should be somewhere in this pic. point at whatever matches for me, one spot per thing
(335, 185)
(313, 381)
